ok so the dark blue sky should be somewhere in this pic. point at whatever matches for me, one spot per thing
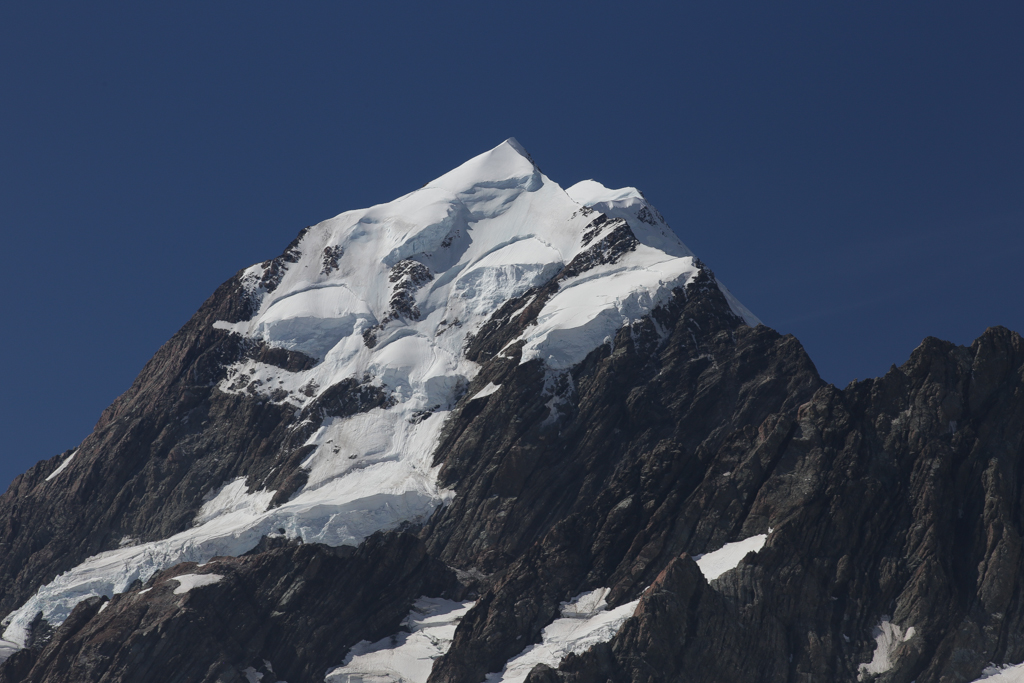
(853, 171)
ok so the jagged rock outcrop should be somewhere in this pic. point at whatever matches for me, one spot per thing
(680, 631)
(896, 512)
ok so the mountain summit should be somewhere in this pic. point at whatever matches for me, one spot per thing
(500, 430)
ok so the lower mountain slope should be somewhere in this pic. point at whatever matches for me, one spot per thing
(896, 513)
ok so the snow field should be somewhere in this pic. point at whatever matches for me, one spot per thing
(586, 620)
(342, 512)
(486, 391)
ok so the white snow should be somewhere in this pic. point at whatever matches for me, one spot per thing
(996, 674)
(341, 511)
(487, 231)
(888, 637)
(593, 306)
(629, 204)
(7, 648)
(585, 621)
(63, 466)
(716, 563)
(407, 655)
(486, 391)
(233, 497)
(187, 582)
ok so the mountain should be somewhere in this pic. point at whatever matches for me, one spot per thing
(497, 430)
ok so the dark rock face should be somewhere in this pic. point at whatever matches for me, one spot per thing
(897, 499)
(155, 452)
(331, 257)
(680, 631)
(346, 398)
(608, 249)
(298, 607)
(895, 502)
(274, 270)
(596, 492)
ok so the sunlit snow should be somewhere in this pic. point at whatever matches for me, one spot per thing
(486, 391)
(714, 564)
(407, 655)
(585, 621)
(187, 582)
(63, 466)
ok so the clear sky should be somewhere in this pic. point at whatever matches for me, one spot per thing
(853, 171)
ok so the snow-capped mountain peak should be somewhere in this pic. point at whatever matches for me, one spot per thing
(495, 430)
(384, 302)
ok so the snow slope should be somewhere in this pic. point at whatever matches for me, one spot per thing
(409, 654)
(585, 621)
(387, 296)
(714, 564)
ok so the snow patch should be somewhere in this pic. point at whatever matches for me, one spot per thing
(407, 655)
(738, 308)
(647, 224)
(888, 637)
(63, 466)
(714, 564)
(187, 582)
(342, 511)
(629, 204)
(486, 391)
(585, 621)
